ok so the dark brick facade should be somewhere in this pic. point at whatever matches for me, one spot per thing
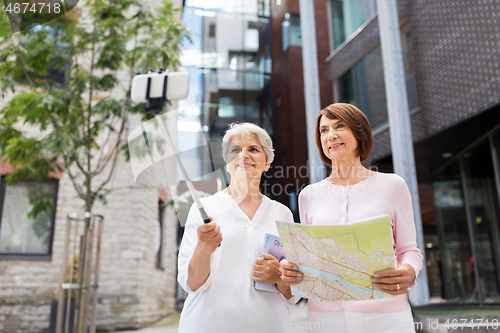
(456, 53)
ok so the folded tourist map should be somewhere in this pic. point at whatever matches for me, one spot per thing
(338, 261)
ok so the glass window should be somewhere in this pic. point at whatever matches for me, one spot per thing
(467, 213)
(211, 30)
(20, 234)
(483, 206)
(364, 86)
(251, 39)
(227, 109)
(234, 86)
(285, 32)
(453, 259)
(295, 32)
(290, 29)
(264, 8)
(55, 37)
(233, 66)
(348, 16)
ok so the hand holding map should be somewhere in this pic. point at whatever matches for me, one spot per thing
(338, 261)
(394, 281)
(290, 273)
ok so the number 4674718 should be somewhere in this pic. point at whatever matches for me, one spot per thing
(38, 7)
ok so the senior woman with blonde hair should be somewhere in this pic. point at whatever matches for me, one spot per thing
(220, 261)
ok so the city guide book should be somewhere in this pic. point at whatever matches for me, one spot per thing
(338, 261)
(271, 245)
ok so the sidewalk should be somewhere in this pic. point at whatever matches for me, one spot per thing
(170, 323)
(456, 318)
(431, 319)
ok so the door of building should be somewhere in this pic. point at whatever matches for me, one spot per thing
(466, 199)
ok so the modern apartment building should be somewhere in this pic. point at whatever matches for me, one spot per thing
(451, 63)
(229, 63)
(246, 65)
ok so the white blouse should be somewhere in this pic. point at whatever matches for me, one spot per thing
(228, 300)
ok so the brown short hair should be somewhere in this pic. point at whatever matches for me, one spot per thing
(357, 122)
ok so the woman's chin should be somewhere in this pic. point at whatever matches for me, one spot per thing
(246, 173)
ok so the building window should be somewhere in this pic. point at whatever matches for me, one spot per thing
(363, 85)
(464, 250)
(53, 36)
(227, 109)
(290, 29)
(264, 8)
(251, 40)
(159, 235)
(348, 16)
(21, 235)
(211, 30)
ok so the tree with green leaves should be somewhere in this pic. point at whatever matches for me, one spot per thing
(66, 78)
(69, 83)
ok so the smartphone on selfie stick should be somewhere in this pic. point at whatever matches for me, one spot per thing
(156, 89)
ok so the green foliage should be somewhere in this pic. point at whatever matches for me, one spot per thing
(93, 52)
(40, 195)
(42, 205)
(5, 30)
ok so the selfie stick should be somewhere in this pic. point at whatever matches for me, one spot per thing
(155, 105)
(189, 184)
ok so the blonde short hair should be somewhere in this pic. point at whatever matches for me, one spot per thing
(247, 130)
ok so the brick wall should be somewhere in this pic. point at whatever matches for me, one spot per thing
(133, 292)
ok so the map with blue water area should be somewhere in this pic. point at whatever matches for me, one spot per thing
(338, 261)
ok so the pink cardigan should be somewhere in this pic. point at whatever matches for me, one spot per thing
(324, 203)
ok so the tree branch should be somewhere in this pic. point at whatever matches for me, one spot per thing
(115, 154)
(111, 172)
(89, 199)
(77, 187)
(29, 79)
(79, 165)
(102, 165)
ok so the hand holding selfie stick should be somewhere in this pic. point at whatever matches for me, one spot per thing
(152, 88)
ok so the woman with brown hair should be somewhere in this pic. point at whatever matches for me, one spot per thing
(353, 192)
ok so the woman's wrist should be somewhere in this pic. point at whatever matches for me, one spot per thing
(202, 250)
(284, 289)
(411, 270)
